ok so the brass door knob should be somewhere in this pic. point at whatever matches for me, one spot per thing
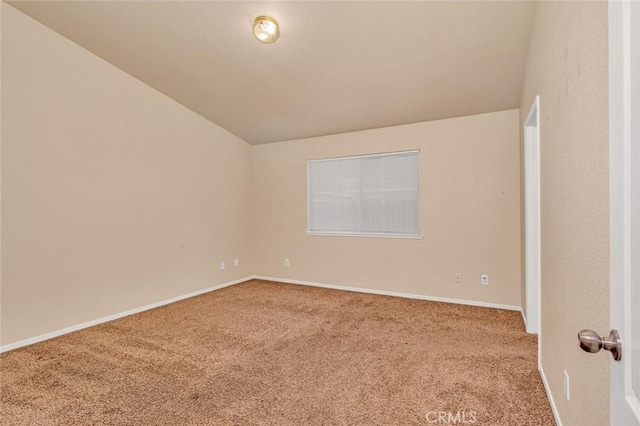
(591, 342)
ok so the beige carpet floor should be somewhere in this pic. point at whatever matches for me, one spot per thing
(263, 353)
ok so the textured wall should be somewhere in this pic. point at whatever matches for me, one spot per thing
(470, 212)
(114, 196)
(567, 67)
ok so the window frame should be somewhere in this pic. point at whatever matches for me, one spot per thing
(416, 236)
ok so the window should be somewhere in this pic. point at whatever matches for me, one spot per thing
(368, 195)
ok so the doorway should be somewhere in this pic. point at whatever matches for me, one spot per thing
(532, 217)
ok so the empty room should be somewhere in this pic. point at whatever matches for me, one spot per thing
(320, 212)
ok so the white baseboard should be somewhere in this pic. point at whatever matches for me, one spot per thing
(393, 293)
(73, 328)
(554, 409)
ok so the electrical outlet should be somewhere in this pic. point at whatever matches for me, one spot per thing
(458, 277)
(566, 384)
(221, 265)
(286, 263)
(236, 262)
(484, 279)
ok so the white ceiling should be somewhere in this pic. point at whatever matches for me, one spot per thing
(337, 67)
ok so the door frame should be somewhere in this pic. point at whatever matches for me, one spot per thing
(532, 221)
(623, 196)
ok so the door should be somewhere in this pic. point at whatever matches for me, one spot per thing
(624, 132)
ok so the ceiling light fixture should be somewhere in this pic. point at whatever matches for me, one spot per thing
(266, 29)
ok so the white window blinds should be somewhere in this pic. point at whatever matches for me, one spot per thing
(372, 195)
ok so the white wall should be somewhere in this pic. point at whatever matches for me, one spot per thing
(568, 68)
(114, 196)
(470, 212)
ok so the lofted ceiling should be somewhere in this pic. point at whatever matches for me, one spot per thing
(337, 67)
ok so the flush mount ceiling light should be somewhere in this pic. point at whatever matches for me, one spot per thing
(266, 29)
